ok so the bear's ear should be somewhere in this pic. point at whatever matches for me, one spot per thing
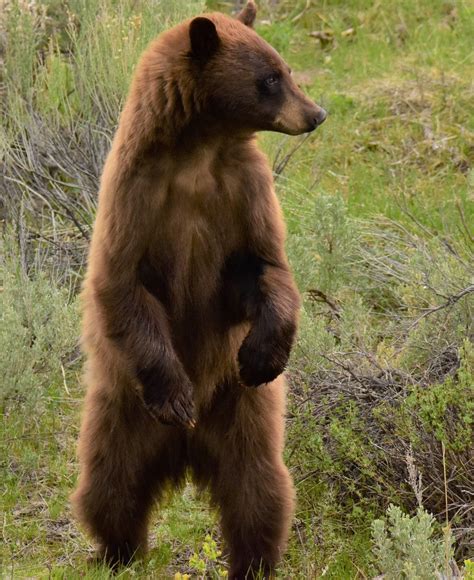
(248, 14)
(204, 38)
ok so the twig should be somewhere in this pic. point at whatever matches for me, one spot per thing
(279, 165)
(320, 296)
(449, 302)
(346, 368)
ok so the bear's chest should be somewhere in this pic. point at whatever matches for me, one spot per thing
(204, 210)
(198, 224)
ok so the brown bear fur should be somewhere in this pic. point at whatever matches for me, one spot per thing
(188, 298)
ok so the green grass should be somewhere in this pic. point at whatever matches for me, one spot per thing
(400, 130)
(379, 206)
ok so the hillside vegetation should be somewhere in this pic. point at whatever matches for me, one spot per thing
(380, 212)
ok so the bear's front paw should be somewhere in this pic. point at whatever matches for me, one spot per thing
(171, 405)
(176, 410)
(262, 360)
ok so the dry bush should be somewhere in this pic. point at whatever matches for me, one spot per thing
(65, 71)
(50, 181)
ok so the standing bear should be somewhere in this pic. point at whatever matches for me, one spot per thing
(190, 308)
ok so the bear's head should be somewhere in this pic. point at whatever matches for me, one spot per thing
(242, 80)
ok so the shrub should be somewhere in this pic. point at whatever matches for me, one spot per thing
(383, 370)
(39, 330)
(404, 546)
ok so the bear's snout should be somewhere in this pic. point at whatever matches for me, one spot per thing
(299, 115)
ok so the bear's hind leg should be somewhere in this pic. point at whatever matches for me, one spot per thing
(126, 458)
(252, 486)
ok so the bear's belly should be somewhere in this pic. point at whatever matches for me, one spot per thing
(205, 329)
(191, 291)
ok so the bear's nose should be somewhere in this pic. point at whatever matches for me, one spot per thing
(317, 119)
(320, 117)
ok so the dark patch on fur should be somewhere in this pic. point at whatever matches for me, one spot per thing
(152, 279)
(264, 353)
(240, 286)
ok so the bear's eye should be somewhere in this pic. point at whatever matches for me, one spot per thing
(272, 80)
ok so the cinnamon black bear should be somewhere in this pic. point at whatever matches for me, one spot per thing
(190, 309)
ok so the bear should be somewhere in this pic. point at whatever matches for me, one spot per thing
(189, 306)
